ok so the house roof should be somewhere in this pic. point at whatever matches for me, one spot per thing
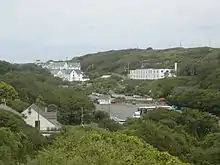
(57, 64)
(9, 109)
(78, 71)
(50, 116)
(74, 64)
(68, 71)
(104, 97)
(54, 71)
(93, 97)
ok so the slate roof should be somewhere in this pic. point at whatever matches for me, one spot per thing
(68, 71)
(93, 97)
(78, 71)
(55, 65)
(104, 97)
(54, 71)
(74, 64)
(9, 109)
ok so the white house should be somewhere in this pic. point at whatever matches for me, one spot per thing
(78, 75)
(152, 74)
(70, 75)
(47, 120)
(68, 71)
(104, 99)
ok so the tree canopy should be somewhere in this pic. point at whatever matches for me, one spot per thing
(17, 139)
(190, 135)
(84, 146)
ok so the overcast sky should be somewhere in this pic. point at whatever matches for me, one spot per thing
(56, 29)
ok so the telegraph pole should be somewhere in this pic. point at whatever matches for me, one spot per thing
(109, 110)
(128, 68)
(38, 117)
(82, 120)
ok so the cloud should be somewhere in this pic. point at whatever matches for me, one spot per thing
(94, 25)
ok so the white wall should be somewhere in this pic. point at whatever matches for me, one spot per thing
(104, 101)
(33, 116)
(149, 74)
(75, 77)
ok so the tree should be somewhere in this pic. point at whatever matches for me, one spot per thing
(17, 139)
(191, 135)
(197, 123)
(7, 92)
(84, 146)
(149, 48)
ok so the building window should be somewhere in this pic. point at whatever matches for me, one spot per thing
(37, 124)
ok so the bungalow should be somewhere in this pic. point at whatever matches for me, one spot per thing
(43, 120)
(104, 99)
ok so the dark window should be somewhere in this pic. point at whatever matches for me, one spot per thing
(37, 124)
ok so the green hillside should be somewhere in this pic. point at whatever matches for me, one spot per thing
(197, 85)
(191, 61)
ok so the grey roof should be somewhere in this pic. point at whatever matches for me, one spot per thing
(67, 71)
(74, 64)
(51, 116)
(9, 109)
(57, 64)
(105, 97)
(93, 97)
(54, 71)
(56, 123)
(78, 71)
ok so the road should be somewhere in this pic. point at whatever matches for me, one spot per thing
(121, 111)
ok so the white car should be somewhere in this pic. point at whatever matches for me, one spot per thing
(137, 115)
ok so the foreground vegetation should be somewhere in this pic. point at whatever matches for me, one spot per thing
(18, 141)
(27, 84)
(192, 136)
(84, 146)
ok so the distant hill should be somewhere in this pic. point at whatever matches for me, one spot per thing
(190, 60)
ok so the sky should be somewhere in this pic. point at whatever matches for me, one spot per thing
(59, 29)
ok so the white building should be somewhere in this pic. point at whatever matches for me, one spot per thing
(152, 74)
(70, 75)
(47, 120)
(104, 99)
(68, 71)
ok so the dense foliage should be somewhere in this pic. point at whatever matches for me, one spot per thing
(17, 139)
(84, 146)
(32, 84)
(190, 135)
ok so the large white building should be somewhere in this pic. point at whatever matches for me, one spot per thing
(68, 71)
(152, 74)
